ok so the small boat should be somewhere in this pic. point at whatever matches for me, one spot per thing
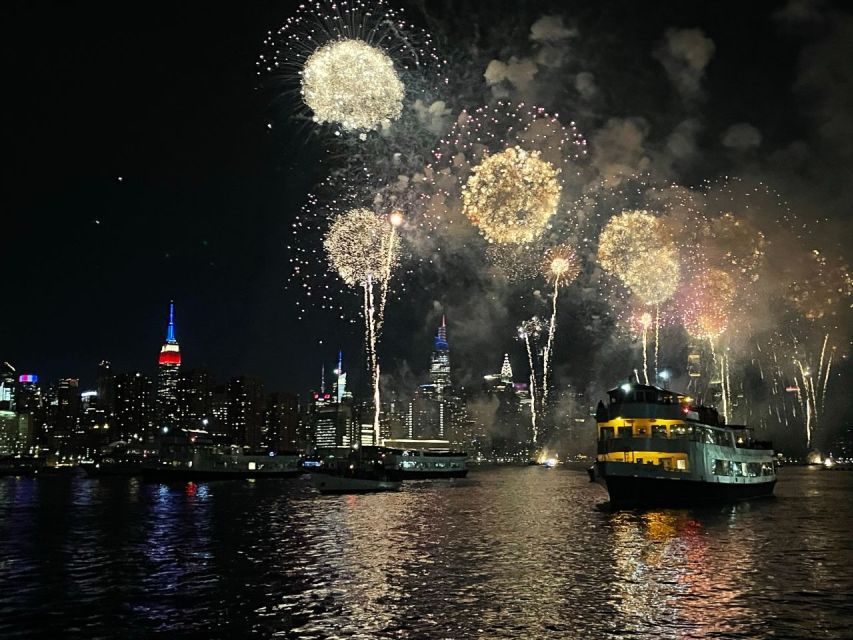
(655, 447)
(357, 473)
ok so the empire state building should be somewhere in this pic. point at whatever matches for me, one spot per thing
(168, 372)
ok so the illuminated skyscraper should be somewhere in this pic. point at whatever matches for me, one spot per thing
(168, 374)
(330, 415)
(246, 411)
(437, 409)
(439, 368)
(132, 419)
(506, 370)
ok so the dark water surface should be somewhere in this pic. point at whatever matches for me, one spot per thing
(506, 553)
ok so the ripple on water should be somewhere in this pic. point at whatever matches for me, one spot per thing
(507, 553)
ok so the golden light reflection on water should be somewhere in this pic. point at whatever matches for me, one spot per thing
(507, 553)
(668, 578)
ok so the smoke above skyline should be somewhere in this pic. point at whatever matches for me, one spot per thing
(734, 198)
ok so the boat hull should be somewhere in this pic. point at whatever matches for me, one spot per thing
(625, 490)
(401, 474)
(186, 475)
(104, 470)
(332, 484)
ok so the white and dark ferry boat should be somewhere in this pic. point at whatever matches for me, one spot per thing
(405, 460)
(656, 447)
(191, 454)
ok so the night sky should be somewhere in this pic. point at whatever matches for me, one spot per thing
(143, 169)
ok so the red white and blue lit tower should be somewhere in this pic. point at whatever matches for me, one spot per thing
(168, 372)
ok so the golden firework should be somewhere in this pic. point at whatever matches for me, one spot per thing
(353, 84)
(511, 196)
(561, 264)
(359, 245)
(653, 276)
(708, 304)
(636, 247)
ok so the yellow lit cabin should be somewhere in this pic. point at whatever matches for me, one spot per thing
(645, 428)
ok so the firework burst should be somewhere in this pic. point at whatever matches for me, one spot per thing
(511, 196)
(363, 248)
(505, 170)
(351, 60)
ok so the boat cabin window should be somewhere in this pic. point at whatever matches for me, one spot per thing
(624, 432)
(607, 433)
(659, 431)
(681, 430)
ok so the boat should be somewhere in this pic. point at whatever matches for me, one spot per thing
(116, 459)
(419, 464)
(656, 447)
(20, 465)
(191, 454)
(360, 471)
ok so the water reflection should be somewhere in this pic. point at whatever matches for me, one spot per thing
(507, 553)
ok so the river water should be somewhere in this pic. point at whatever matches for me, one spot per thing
(506, 553)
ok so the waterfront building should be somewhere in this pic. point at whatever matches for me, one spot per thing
(508, 422)
(28, 396)
(393, 418)
(219, 426)
(332, 423)
(134, 416)
(92, 427)
(331, 420)
(17, 435)
(437, 410)
(194, 399)
(282, 422)
(439, 368)
(67, 405)
(106, 389)
(168, 374)
(246, 411)
(8, 386)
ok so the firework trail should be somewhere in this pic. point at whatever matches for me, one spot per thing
(562, 266)
(645, 320)
(531, 329)
(657, 340)
(362, 247)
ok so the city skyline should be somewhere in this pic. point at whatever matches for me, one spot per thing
(165, 181)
